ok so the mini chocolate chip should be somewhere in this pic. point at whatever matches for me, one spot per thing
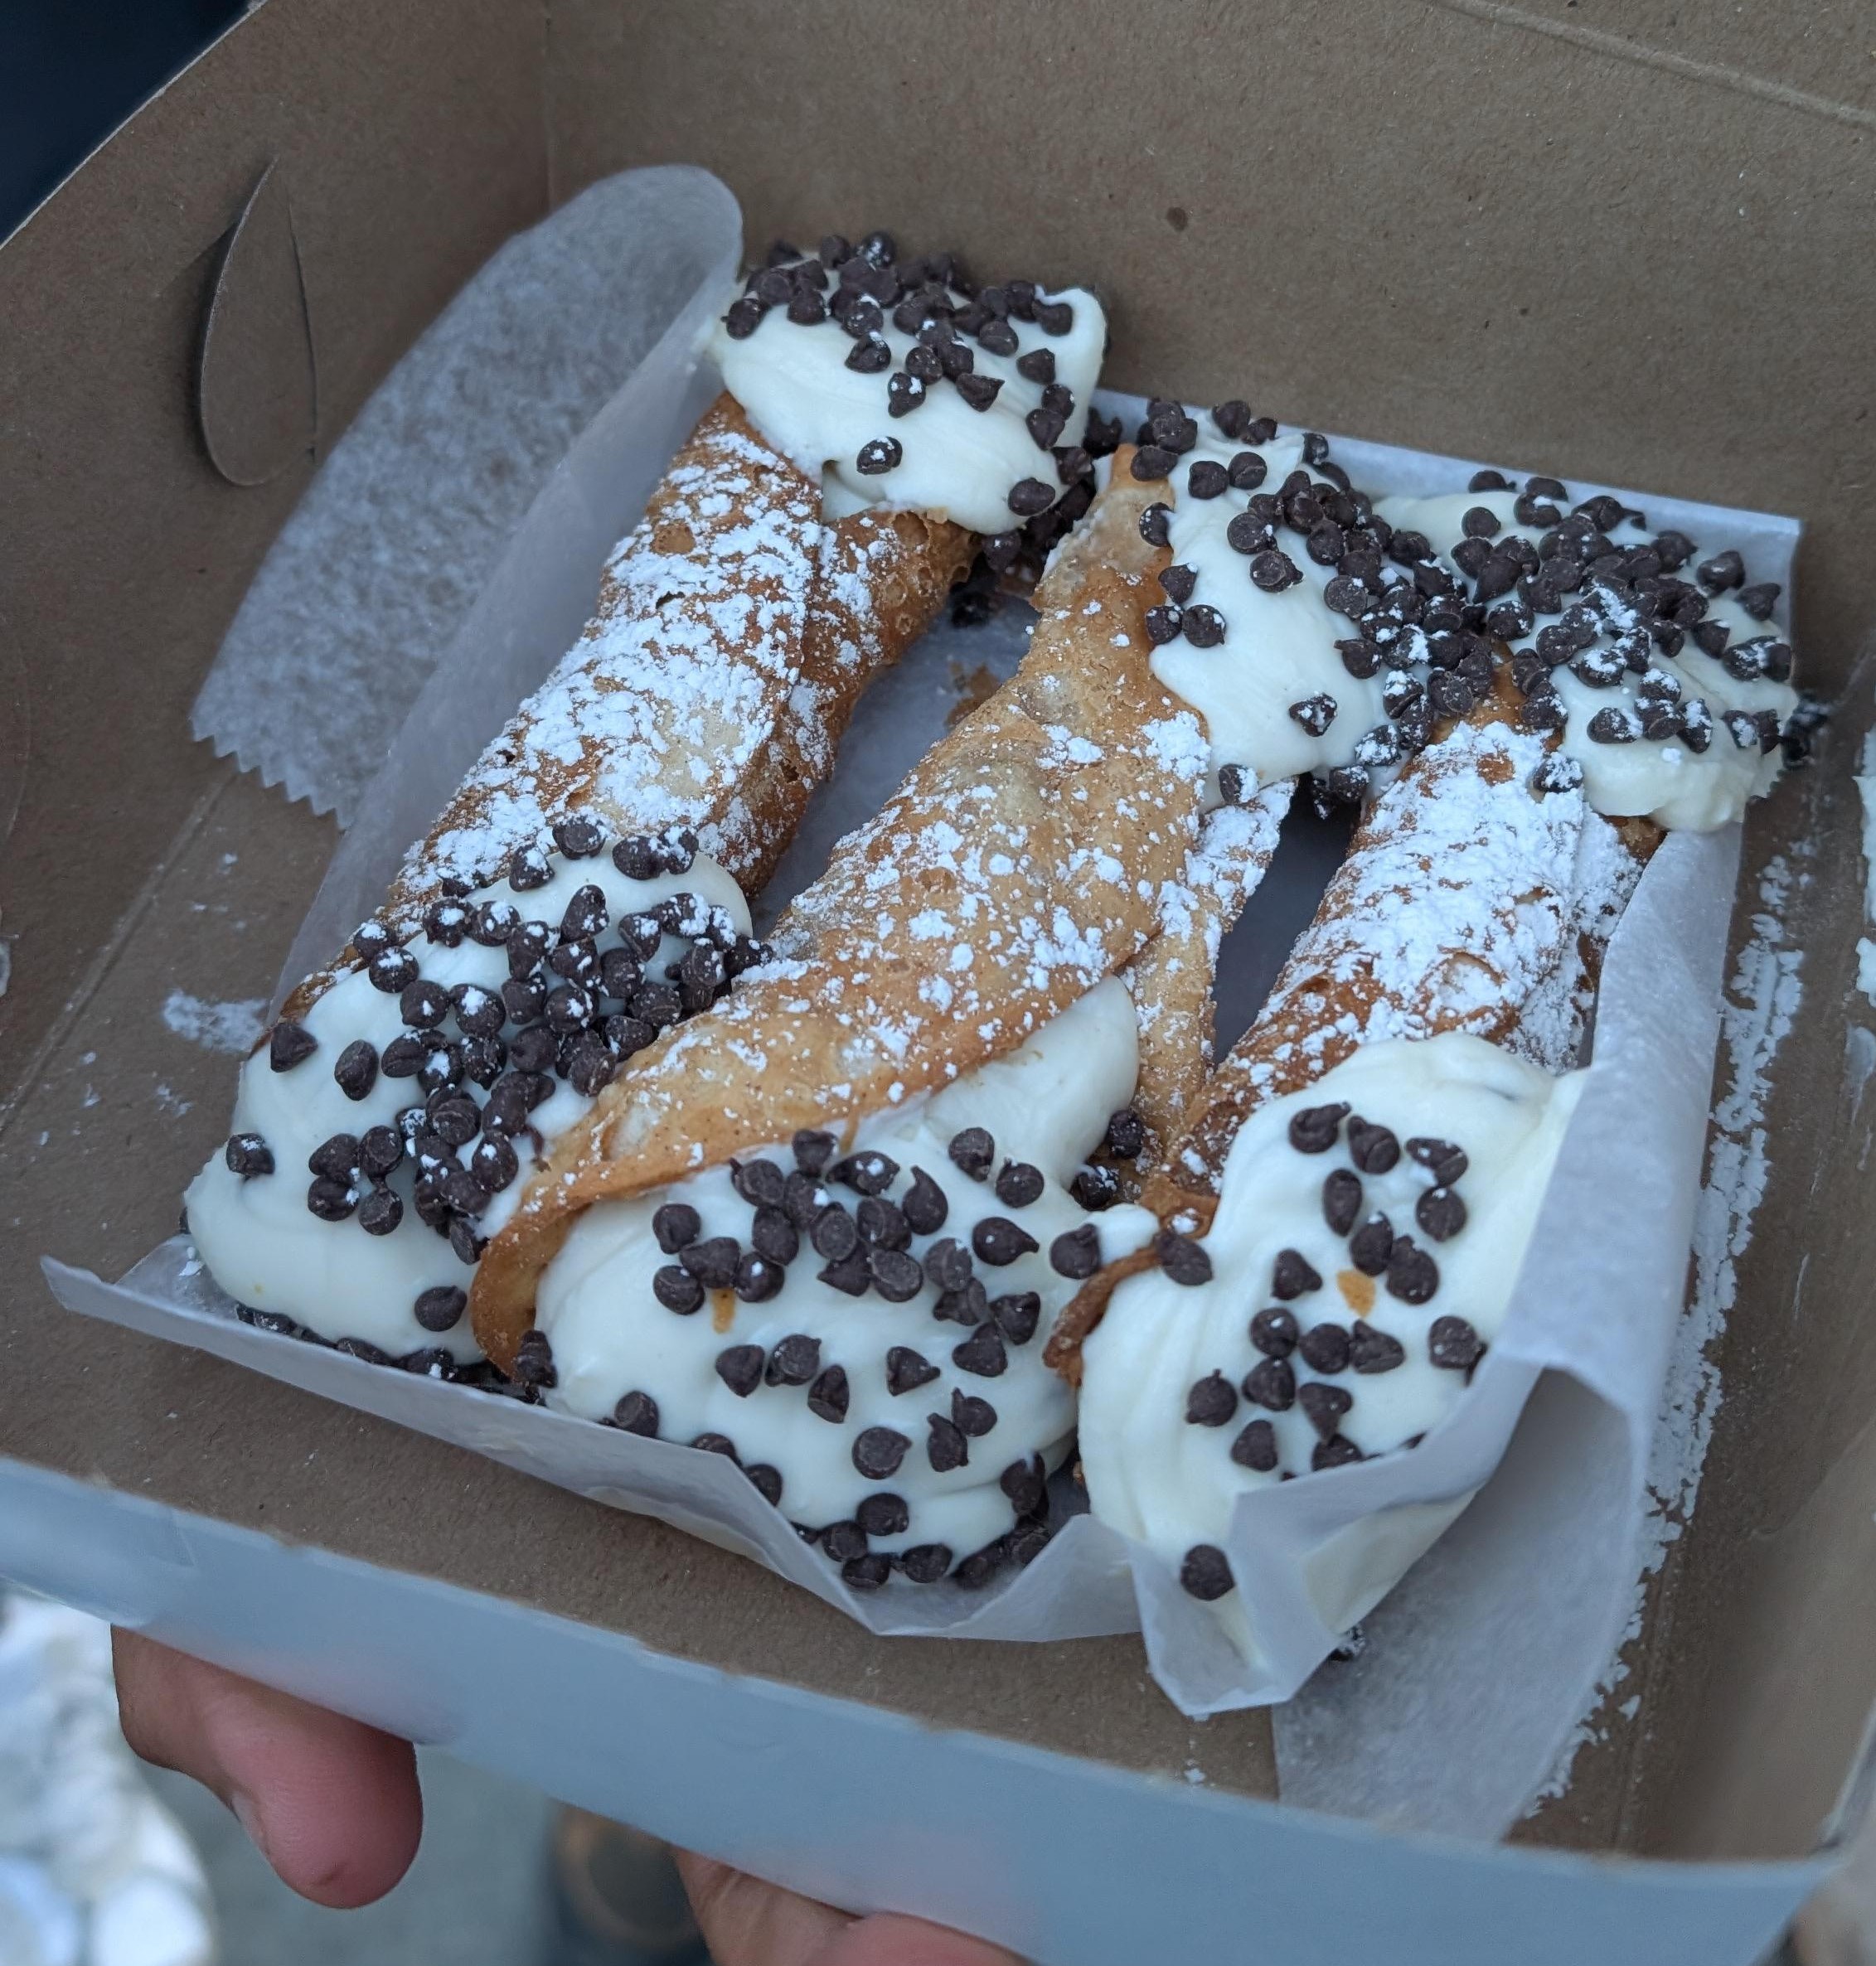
(979, 392)
(1760, 600)
(1205, 1573)
(1324, 1406)
(904, 393)
(1017, 1314)
(982, 1352)
(379, 1212)
(868, 1173)
(884, 1515)
(1155, 522)
(1722, 571)
(636, 1413)
(1126, 1132)
(883, 1223)
(1412, 1275)
(1018, 1184)
(441, 1307)
(759, 1183)
(403, 1057)
(1207, 478)
(717, 1443)
(1025, 1483)
(924, 1206)
(1076, 1253)
(1315, 714)
(579, 838)
(813, 1150)
(998, 337)
(827, 1397)
(878, 1451)
(1272, 570)
(1342, 1200)
(739, 1368)
(1176, 582)
(946, 1447)
(757, 1278)
(423, 1004)
(1372, 1149)
(766, 1481)
(586, 914)
(1055, 316)
(248, 1154)
(677, 1290)
(1038, 366)
(1441, 1214)
(1453, 1344)
(1030, 495)
(389, 971)
(834, 1234)
(1164, 625)
(1316, 1128)
(1337, 1451)
(1293, 1276)
(335, 1157)
(881, 455)
(1272, 1384)
(1371, 1246)
(1205, 627)
(290, 1043)
(1151, 461)
(906, 1370)
(1274, 1332)
(1045, 427)
(896, 1275)
(1558, 771)
(1211, 1401)
(972, 1417)
(676, 1225)
(844, 1541)
(999, 1241)
(795, 1360)
(1479, 522)
(1613, 726)
(1255, 1447)
(1325, 1347)
(948, 1264)
(1371, 1351)
(494, 1164)
(1183, 1259)
(926, 1564)
(356, 1072)
(774, 1236)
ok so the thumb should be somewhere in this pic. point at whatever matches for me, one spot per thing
(333, 1804)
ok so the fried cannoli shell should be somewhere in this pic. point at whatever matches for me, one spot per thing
(1021, 862)
(734, 633)
(1519, 898)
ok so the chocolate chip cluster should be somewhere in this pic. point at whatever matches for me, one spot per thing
(1606, 611)
(583, 993)
(834, 1214)
(1379, 1256)
(860, 289)
(1315, 515)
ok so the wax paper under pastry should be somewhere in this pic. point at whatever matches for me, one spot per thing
(1494, 1641)
(368, 581)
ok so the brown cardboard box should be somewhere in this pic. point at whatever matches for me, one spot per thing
(1629, 241)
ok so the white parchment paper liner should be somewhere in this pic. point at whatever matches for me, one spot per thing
(1479, 1664)
(368, 580)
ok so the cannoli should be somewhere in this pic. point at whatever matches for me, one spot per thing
(584, 889)
(1344, 1220)
(828, 1225)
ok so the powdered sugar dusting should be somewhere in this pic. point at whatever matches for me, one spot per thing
(1761, 1008)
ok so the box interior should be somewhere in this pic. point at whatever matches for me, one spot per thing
(1363, 231)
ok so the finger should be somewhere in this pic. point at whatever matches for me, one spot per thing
(333, 1804)
(748, 1923)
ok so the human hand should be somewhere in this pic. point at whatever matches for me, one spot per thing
(333, 1806)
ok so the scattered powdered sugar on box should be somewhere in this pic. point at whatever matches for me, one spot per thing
(1762, 1003)
(234, 1027)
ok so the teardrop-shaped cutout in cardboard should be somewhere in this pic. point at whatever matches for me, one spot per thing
(255, 397)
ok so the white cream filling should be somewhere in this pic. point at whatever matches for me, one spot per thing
(1048, 1104)
(1171, 1484)
(1278, 649)
(1660, 779)
(261, 1242)
(957, 463)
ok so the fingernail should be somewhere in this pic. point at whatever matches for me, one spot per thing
(247, 1814)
